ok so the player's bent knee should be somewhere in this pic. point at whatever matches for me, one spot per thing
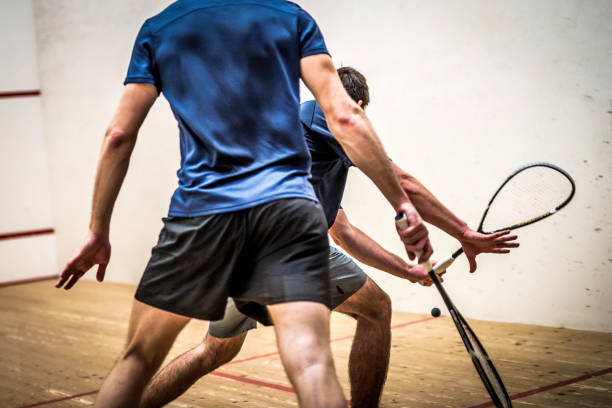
(379, 304)
(306, 360)
(309, 350)
(380, 312)
(146, 358)
(222, 350)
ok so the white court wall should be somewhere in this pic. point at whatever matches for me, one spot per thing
(24, 181)
(463, 92)
(84, 50)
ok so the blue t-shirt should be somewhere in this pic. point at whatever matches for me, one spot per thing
(330, 164)
(230, 70)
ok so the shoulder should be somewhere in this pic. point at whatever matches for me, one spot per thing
(174, 11)
(294, 7)
(313, 119)
(179, 9)
(318, 118)
(305, 20)
(307, 110)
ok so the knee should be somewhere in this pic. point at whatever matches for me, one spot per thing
(379, 309)
(308, 355)
(220, 350)
(140, 354)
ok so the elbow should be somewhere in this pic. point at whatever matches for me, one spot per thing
(408, 184)
(116, 138)
(344, 124)
(346, 117)
(336, 235)
(340, 232)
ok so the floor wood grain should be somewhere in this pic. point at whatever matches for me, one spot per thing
(58, 346)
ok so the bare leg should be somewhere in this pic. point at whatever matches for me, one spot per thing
(174, 379)
(302, 336)
(151, 334)
(369, 358)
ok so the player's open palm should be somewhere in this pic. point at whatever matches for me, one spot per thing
(95, 251)
(474, 243)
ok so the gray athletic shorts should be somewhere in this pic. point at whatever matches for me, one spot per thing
(272, 253)
(346, 278)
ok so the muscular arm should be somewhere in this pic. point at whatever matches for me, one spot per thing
(366, 250)
(349, 125)
(119, 141)
(430, 208)
(436, 213)
(117, 147)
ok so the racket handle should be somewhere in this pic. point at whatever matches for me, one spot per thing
(402, 223)
(443, 264)
(427, 264)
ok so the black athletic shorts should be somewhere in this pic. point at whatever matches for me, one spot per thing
(345, 279)
(273, 253)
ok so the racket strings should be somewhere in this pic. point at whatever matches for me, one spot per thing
(529, 194)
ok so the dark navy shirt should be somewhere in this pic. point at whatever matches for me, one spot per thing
(330, 164)
(230, 70)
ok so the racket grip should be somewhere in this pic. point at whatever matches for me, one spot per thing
(427, 264)
(402, 223)
(443, 264)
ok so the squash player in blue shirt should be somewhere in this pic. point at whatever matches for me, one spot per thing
(352, 291)
(244, 221)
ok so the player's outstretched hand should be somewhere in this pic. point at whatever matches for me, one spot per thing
(415, 237)
(474, 243)
(96, 251)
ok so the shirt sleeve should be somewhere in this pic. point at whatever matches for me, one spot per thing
(142, 68)
(311, 38)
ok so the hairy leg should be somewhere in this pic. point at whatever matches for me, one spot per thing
(151, 334)
(302, 336)
(180, 374)
(369, 358)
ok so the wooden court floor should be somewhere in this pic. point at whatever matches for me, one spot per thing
(56, 347)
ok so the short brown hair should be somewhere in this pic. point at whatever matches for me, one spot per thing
(355, 84)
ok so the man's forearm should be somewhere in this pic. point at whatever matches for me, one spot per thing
(119, 141)
(430, 208)
(112, 168)
(363, 248)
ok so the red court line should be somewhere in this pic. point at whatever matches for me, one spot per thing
(258, 383)
(23, 234)
(253, 358)
(289, 389)
(28, 280)
(238, 378)
(331, 341)
(254, 382)
(20, 94)
(550, 387)
(414, 322)
(38, 404)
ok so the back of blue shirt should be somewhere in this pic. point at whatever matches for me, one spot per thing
(330, 164)
(230, 71)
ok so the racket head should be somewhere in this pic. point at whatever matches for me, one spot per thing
(483, 364)
(531, 193)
